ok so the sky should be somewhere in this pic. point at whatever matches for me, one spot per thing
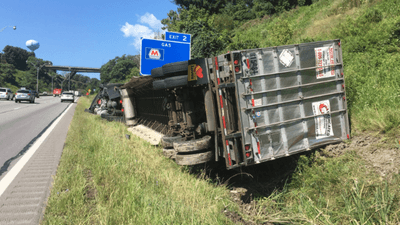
(81, 33)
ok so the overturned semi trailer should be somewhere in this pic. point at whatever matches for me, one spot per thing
(244, 107)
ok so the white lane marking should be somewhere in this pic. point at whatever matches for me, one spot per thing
(17, 108)
(9, 177)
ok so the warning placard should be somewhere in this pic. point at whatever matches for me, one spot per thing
(286, 58)
(191, 72)
(323, 121)
(323, 60)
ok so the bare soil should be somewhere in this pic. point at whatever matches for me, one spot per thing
(380, 154)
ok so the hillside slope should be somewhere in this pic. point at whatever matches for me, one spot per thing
(354, 182)
(370, 35)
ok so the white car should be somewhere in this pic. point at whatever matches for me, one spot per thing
(24, 95)
(67, 96)
(6, 93)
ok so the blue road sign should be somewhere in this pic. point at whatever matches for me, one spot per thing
(180, 37)
(156, 53)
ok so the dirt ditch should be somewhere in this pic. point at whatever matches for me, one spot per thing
(380, 154)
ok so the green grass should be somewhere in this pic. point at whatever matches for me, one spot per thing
(333, 191)
(370, 35)
(103, 178)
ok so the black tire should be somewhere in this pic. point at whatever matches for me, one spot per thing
(193, 145)
(157, 72)
(8, 99)
(168, 142)
(169, 153)
(176, 67)
(194, 159)
(170, 82)
(16, 101)
(159, 84)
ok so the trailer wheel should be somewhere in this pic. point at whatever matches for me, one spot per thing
(168, 142)
(169, 153)
(193, 145)
(194, 159)
(176, 67)
(170, 82)
(157, 72)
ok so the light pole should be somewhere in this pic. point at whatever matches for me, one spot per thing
(37, 77)
(14, 27)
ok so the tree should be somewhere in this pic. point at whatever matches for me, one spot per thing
(17, 56)
(118, 69)
(211, 6)
(6, 73)
(94, 83)
(263, 7)
(206, 41)
(240, 11)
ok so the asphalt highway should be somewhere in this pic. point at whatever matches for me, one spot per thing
(32, 137)
(21, 123)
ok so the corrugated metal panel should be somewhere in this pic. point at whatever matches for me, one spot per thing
(291, 98)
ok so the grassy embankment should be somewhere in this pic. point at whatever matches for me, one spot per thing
(104, 178)
(342, 190)
(100, 181)
(370, 35)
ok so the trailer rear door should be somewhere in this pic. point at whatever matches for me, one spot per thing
(292, 98)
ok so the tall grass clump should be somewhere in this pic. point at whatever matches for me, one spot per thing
(104, 178)
(335, 191)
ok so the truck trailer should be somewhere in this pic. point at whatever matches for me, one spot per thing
(246, 106)
(57, 92)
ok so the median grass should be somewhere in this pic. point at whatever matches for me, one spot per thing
(104, 178)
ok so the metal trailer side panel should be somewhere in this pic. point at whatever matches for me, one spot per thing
(292, 98)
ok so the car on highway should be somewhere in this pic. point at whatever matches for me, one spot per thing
(44, 93)
(67, 96)
(24, 95)
(6, 93)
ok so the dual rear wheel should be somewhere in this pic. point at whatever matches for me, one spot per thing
(187, 153)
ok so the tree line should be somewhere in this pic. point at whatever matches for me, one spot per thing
(17, 69)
